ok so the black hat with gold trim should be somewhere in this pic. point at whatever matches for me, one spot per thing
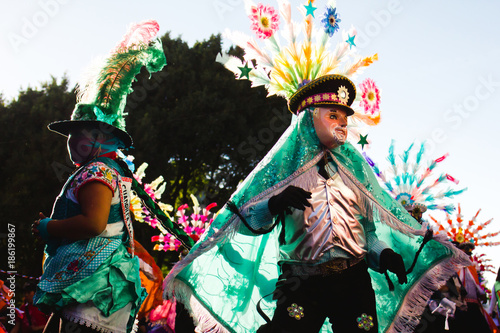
(333, 89)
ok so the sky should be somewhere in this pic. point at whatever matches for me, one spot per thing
(438, 68)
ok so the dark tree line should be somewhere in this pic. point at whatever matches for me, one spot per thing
(193, 123)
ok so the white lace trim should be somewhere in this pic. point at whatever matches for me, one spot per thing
(203, 319)
(90, 316)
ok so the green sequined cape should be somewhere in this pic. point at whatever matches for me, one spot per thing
(225, 274)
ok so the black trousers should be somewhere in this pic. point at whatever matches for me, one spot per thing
(343, 298)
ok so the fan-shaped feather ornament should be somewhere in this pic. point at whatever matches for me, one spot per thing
(470, 231)
(107, 86)
(285, 58)
(412, 181)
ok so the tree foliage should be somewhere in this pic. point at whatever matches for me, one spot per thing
(198, 126)
(193, 123)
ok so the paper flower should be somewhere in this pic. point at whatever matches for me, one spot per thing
(365, 322)
(404, 199)
(471, 231)
(296, 311)
(370, 97)
(331, 21)
(265, 20)
(193, 224)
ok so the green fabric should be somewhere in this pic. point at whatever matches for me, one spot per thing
(112, 286)
(496, 289)
(229, 270)
(114, 82)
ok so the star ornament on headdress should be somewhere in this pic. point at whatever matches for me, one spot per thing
(301, 53)
(245, 71)
(363, 141)
(350, 41)
(310, 9)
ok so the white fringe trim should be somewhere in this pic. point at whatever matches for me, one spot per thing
(416, 298)
(410, 312)
(369, 206)
(203, 320)
(95, 326)
(304, 177)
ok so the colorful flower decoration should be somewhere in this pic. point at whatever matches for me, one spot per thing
(193, 224)
(155, 191)
(471, 231)
(331, 21)
(411, 181)
(73, 266)
(295, 311)
(265, 20)
(365, 322)
(300, 53)
(404, 199)
(370, 97)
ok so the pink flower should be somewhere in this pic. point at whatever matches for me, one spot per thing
(370, 97)
(183, 207)
(149, 190)
(265, 20)
(182, 220)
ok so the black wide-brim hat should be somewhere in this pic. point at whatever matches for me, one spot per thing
(66, 127)
(333, 89)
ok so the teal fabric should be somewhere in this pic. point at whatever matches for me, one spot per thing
(112, 286)
(98, 269)
(42, 228)
(231, 269)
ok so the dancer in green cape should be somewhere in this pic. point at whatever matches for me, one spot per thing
(310, 238)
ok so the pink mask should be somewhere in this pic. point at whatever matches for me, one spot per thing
(330, 124)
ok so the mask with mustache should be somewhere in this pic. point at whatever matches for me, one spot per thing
(330, 124)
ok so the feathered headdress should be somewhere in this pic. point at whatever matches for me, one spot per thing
(103, 93)
(463, 232)
(304, 55)
(411, 181)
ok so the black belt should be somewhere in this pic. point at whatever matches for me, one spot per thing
(331, 267)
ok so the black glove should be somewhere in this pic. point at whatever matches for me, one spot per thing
(390, 260)
(292, 196)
